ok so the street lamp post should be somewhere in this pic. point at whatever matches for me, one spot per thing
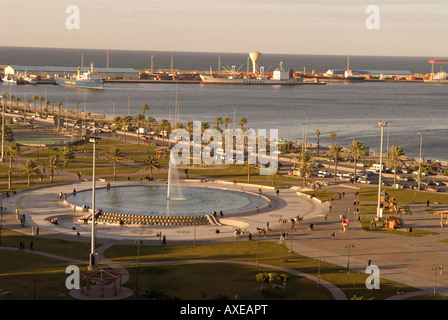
(349, 246)
(3, 128)
(139, 242)
(382, 124)
(420, 162)
(93, 259)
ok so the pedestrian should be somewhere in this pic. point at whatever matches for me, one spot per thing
(267, 224)
(32, 230)
(164, 240)
(369, 262)
(332, 235)
(249, 236)
(32, 246)
(277, 192)
(427, 203)
(37, 231)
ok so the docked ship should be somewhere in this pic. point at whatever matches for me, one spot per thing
(280, 77)
(440, 77)
(89, 79)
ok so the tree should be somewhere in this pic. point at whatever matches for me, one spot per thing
(249, 168)
(217, 121)
(395, 159)
(35, 99)
(332, 135)
(275, 176)
(53, 164)
(12, 149)
(317, 135)
(242, 122)
(152, 164)
(262, 279)
(115, 154)
(66, 154)
(356, 150)
(304, 165)
(335, 152)
(227, 122)
(30, 168)
(144, 108)
(125, 121)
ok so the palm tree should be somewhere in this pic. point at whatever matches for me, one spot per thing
(40, 99)
(217, 121)
(317, 135)
(66, 154)
(152, 164)
(144, 108)
(356, 150)
(332, 135)
(227, 122)
(249, 167)
(115, 154)
(335, 152)
(35, 99)
(304, 165)
(164, 129)
(395, 159)
(125, 121)
(139, 119)
(53, 164)
(242, 122)
(12, 149)
(59, 104)
(30, 168)
(275, 176)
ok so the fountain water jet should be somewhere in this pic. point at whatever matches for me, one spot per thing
(174, 190)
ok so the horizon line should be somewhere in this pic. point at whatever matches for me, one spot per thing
(217, 52)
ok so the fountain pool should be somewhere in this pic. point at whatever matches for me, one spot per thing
(152, 200)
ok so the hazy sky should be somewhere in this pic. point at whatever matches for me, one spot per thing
(415, 28)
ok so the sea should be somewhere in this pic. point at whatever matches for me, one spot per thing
(417, 113)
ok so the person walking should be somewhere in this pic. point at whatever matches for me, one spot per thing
(164, 240)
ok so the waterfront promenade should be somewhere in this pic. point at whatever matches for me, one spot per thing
(401, 258)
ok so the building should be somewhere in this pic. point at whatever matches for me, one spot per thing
(50, 72)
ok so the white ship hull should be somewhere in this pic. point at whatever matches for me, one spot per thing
(248, 81)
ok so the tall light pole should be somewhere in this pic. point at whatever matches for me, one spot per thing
(3, 128)
(379, 212)
(93, 258)
(349, 246)
(420, 162)
(139, 242)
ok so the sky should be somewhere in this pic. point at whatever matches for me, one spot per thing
(403, 28)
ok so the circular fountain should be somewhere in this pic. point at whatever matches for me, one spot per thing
(151, 200)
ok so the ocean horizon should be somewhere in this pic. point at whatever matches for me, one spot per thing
(352, 110)
(203, 61)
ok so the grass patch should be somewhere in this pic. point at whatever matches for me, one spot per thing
(365, 221)
(323, 195)
(269, 253)
(404, 196)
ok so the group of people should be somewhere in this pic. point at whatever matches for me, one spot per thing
(22, 246)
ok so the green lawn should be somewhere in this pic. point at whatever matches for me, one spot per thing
(226, 279)
(404, 196)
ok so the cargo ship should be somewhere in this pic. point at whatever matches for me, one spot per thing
(440, 77)
(89, 79)
(280, 77)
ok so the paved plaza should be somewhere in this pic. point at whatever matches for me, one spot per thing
(405, 259)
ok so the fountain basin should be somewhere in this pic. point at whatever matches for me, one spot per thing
(151, 200)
